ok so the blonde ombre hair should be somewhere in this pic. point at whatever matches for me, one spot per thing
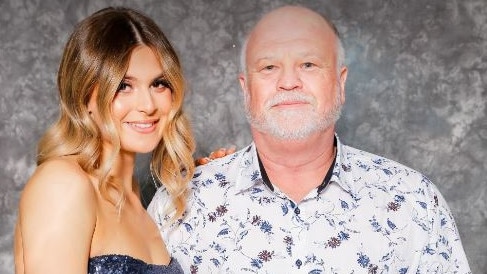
(96, 56)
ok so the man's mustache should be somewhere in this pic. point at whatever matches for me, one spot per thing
(290, 96)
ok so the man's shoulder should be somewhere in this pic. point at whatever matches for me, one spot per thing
(371, 171)
(368, 160)
(226, 165)
(224, 176)
(383, 172)
(210, 178)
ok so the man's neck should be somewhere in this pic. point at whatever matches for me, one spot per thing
(296, 167)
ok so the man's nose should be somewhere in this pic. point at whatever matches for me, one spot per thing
(289, 79)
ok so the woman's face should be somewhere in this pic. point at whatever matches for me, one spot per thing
(141, 104)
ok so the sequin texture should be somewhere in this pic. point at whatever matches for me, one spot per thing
(123, 264)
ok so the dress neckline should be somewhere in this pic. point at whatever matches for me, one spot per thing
(122, 256)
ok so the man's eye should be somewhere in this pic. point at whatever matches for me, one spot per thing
(269, 67)
(308, 65)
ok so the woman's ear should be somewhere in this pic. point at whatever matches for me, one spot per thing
(92, 101)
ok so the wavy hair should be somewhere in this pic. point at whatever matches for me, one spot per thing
(96, 56)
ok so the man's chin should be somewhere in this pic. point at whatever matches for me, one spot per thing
(291, 131)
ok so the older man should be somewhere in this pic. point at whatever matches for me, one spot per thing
(297, 200)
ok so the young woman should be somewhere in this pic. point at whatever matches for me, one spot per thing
(121, 93)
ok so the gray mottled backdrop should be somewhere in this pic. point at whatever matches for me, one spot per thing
(416, 91)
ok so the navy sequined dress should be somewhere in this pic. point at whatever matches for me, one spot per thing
(123, 264)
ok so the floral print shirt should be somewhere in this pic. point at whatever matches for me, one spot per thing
(374, 216)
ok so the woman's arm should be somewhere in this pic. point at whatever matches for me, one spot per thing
(57, 216)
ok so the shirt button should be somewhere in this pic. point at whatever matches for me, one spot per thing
(292, 204)
(298, 263)
(297, 211)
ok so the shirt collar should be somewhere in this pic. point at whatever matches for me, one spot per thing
(341, 168)
(251, 176)
(319, 189)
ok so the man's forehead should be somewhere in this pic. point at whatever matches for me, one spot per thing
(273, 49)
(289, 19)
(318, 35)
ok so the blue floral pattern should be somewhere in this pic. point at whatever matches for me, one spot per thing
(375, 216)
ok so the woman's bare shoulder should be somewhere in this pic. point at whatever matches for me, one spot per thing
(57, 181)
(57, 216)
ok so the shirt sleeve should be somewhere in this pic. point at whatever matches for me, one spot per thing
(444, 252)
(157, 209)
(174, 233)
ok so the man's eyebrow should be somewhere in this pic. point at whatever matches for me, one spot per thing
(264, 58)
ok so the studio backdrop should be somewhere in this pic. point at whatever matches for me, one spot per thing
(416, 89)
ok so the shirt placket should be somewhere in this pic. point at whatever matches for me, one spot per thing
(300, 234)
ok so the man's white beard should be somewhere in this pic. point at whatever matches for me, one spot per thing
(293, 124)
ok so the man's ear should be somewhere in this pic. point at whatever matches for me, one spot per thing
(243, 82)
(342, 81)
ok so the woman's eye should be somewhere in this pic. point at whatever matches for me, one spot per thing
(123, 86)
(161, 83)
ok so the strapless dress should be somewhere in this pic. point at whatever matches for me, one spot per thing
(124, 264)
